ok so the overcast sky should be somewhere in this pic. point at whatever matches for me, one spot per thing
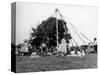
(84, 18)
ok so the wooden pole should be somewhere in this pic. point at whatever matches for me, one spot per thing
(57, 28)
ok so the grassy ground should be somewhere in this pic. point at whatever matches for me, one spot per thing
(50, 63)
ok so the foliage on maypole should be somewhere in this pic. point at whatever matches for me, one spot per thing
(46, 32)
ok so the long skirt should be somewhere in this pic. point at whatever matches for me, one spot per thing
(62, 48)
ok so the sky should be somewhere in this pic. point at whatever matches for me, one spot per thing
(29, 14)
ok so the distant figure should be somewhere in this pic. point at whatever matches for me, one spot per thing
(95, 41)
(51, 49)
(83, 53)
(77, 54)
(63, 46)
(95, 45)
(24, 48)
(34, 55)
(43, 48)
(89, 48)
(72, 53)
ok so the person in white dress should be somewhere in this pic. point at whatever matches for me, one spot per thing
(63, 46)
(24, 48)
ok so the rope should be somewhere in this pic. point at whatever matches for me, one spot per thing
(79, 36)
(75, 28)
(71, 42)
(66, 28)
(80, 32)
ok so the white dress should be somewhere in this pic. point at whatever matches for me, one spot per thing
(24, 48)
(62, 46)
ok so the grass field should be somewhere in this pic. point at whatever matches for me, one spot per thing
(51, 63)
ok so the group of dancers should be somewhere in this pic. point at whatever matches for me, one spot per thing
(62, 50)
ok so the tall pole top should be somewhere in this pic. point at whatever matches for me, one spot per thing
(56, 10)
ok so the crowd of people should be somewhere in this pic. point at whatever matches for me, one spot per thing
(62, 50)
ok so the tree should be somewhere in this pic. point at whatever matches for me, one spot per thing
(46, 32)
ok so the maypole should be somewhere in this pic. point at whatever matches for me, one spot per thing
(57, 27)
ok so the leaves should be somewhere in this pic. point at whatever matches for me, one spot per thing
(46, 32)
